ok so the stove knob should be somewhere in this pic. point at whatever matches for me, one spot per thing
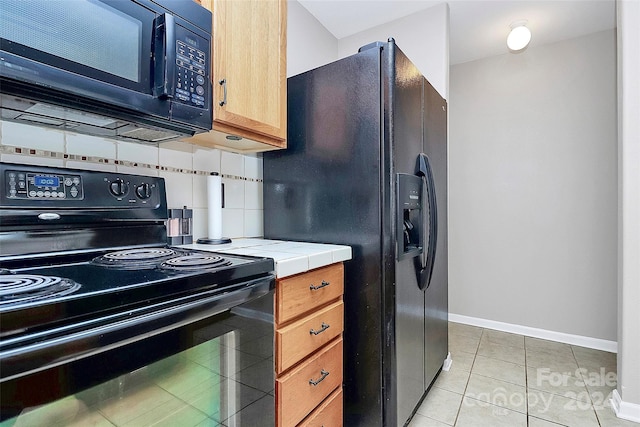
(118, 187)
(143, 190)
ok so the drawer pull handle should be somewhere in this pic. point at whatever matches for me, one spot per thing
(322, 285)
(319, 331)
(223, 83)
(324, 375)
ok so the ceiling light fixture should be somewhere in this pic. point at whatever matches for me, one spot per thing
(519, 37)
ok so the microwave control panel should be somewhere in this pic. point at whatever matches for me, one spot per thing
(43, 186)
(192, 66)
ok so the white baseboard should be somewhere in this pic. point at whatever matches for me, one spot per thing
(582, 341)
(625, 410)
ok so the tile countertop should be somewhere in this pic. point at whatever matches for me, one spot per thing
(290, 257)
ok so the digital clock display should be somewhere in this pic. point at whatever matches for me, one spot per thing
(193, 42)
(46, 181)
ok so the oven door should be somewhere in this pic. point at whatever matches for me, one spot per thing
(213, 364)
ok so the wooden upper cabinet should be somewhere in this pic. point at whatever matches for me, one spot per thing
(249, 75)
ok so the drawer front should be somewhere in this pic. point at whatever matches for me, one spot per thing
(296, 295)
(305, 387)
(303, 337)
(328, 414)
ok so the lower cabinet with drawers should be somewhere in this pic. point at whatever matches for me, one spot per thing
(309, 320)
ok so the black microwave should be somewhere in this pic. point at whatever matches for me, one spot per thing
(137, 70)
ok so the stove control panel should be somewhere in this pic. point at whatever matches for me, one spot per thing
(43, 186)
(29, 186)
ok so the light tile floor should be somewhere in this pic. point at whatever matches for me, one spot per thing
(502, 379)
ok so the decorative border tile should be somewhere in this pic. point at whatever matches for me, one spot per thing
(5, 149)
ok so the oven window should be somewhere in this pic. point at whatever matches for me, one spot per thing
(226, 376)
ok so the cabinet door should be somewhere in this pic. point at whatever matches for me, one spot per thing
(249, 66)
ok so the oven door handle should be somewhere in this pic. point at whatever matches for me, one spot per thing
(99, 335)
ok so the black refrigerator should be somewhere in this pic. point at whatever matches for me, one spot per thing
(366, 166)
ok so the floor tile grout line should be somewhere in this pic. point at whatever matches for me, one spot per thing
(501, 380)
(498, 406)
(455, 421)
(466, 386)
(593, 406)
(501, 345)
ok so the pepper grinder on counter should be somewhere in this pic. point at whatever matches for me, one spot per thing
(179, 226)
(215, 200)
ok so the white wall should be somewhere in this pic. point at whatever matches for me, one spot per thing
(309, 44)
(627, 398)
(422, 36)
(533, 188)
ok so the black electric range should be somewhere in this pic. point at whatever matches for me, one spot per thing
(85, 269)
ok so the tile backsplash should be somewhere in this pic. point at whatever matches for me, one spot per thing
(183, 166)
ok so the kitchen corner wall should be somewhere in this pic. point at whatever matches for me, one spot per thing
(183, 166)
(309, 44)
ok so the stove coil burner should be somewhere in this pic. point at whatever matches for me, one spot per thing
(194, 262)
(26, 287)
(135, 259)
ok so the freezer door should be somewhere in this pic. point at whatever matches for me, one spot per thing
(406, 137)
(436, 295)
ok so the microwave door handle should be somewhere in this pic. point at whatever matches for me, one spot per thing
(164, 56)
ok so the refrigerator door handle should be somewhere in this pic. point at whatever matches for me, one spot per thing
(430, 215)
